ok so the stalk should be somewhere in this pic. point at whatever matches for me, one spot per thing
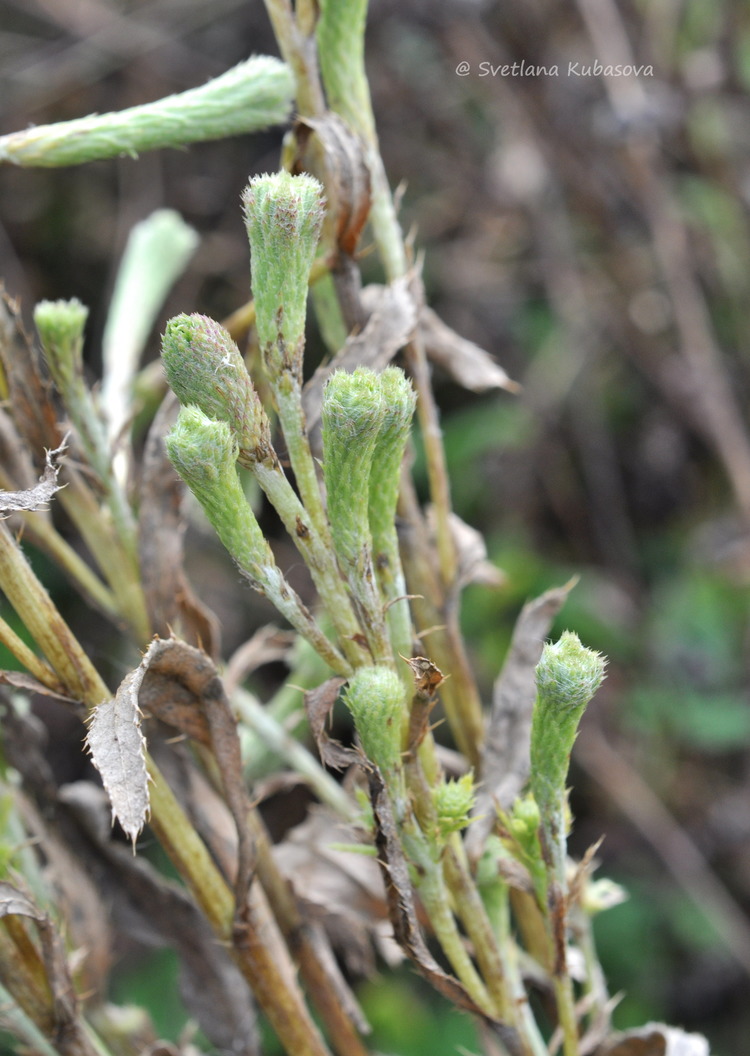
(251, 96)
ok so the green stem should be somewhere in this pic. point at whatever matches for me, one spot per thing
(318, 557)
(251, 96)
(48, 539)
(45, 624)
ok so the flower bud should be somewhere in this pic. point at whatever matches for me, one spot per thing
(283, 217)
(205, 368)
(567, 676)
(375, 697)
(454, 801)
(352, 415)
(204, 453)
(399, 401)
(60, 325)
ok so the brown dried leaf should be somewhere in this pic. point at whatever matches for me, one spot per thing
(118, 751)
(318, 704)
(16, 467)
(465, 362)
(656, 1039)
(29, 389)
(505, 767)
(21, 680)
(330, 150)
(13, 903)
(176, 670)
(403, 916)
(171, 602)
(392, 317)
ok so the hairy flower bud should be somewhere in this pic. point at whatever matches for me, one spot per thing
(283, 217)
(454, 801)
(205, 369)
(60, 325)
(375, 697)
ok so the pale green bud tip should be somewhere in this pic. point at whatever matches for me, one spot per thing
(375, 697)
(283, 207)
(353, 405)
(201, 449)
(526, 817)
(400, 397)
(204, 367)
(454, 801)
(283, 216)
(568, 675)
(60, 325)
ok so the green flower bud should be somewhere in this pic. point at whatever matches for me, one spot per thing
(352, 416)
(524, 821)
(385, 475)
(567, 676)
(205, 368)
(60, 325)
(454, 801)
(375, 697)
(204, 453)
(283, 216)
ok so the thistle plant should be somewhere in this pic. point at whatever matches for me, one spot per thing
(382, 626)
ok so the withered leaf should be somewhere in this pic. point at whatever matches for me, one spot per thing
(655, 1039)
(170, 600)
(13, 903)
(38, 496)
(330, 150)
(182, 672)
(29, 389)
(118, 751)
(465, 362)
(505, 767)
(26, 682)
(318, 704)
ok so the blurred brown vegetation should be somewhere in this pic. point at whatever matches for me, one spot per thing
(593, 234)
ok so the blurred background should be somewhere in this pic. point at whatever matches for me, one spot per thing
(589, 231)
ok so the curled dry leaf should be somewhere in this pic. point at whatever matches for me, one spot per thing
(182, 673)
(330, 150)
(655, 1039)
(170, 600)
(118, 751)
(465, 362)
(318, 705)
(38, 496)
(505, 763)
(13, 903)
(29, 389)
